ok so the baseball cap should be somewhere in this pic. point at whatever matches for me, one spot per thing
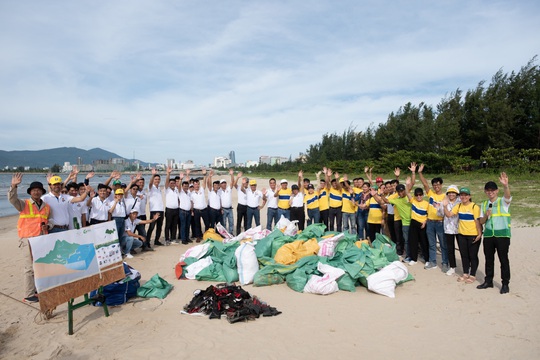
(117, 182)
(283, 181)
(310, 186)
(119, 192)
(222, 181)
(252, 182)
(465, 190)
(134, 210)
(452, 188)
(295, 187)
(55, 180)
(400, 187)
(379, 179)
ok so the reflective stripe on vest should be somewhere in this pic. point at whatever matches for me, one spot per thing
(498, 224)
(29, 223)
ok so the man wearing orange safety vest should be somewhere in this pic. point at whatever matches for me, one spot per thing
(33, 220)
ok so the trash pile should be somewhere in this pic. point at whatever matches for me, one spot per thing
(229, 300)
(313, 261)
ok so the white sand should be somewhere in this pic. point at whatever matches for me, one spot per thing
(433, 317)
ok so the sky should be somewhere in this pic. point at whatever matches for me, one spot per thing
(192, 80)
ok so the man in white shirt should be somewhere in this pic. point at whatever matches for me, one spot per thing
(131, 241)
(214, 201)
(119, 212)
(99, 205)
(155, 202)
(254, 197)
(241, 208)
(77, 211)
(200, 209)
(171, 208)
(225, 194)
(272, 204)
(186, 205)
(59, 217)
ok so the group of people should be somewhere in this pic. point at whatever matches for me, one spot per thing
(412, 221)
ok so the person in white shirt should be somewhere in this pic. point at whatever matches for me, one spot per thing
(156, 205)
(225, 194)
(99, 205)
(241, 208)
(450, 225)
(200, 209)
(272, 204)
(59, 217)
(77, 211)
(119, 212)
(254, 206)
(186, 205)
(214, 201)
(171, 208)
(131, 241)
(297, 205)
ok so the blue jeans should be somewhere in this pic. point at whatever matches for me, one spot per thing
(127, 243)
(349, 221)
(286, 213)
(361, 223)
(185, 221)
(271, 217)
(434, 230)
(56, 230)
(120, 225)
(227, 220)
(314, 216)
(253, 213)
(405, 230)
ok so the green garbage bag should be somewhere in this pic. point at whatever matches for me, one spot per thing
(263, 247)
(387, 246)
(306, 267)
(312, 231)
(155, 287)
(213, 272)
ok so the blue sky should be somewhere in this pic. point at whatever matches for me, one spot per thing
(191, 80)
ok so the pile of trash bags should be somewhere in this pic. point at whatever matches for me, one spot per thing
(313, 261)
(229, 300)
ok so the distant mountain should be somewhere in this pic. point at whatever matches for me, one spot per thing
(49, 157)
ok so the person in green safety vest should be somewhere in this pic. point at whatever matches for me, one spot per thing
(495, 216)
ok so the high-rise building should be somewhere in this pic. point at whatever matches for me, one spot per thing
(232, 157)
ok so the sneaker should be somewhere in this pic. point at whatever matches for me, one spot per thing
(430, 265)
(412, 262)
(31, 299)
(451, 271)
(175, 242)
(129, 256)
(167, 243)
(157, 243)
(406, 260)
(445, 268)
(147, 249)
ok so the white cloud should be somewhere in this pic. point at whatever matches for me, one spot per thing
(196, 80)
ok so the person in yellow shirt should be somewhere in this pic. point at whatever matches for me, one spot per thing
(312, 205)
(323, 193)
(375, 213)
(435, 223)
(469, 233)
(335, 201)
(348, 209)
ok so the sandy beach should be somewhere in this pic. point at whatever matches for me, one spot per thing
(433, 317)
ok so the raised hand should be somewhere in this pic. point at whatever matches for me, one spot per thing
(421, 168)
(231, 171)
(16, 179)
(154, 171)
(503, 179)
(397, 172)
(412, 167)
(90, 175)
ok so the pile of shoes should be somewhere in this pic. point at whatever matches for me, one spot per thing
(229, 300)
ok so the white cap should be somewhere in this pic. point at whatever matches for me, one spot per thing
(222, 181)
(453, 188)
(283, 181)
(134, 210)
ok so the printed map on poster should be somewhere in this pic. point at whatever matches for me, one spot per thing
(65, 257)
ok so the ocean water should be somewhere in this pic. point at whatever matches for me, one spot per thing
(6, 209)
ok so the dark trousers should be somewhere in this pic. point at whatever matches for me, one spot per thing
(324, 217)
(469, 253)
(185, 222)
(171, 223)
(141, 229)
(451, 247)
(155, 225)
(373, 230)
(297, 213)
(502, 246)
(390, 227)
(335, 217)
(400, 242)
(199, 214)
(214, 217)
(241, 214)
(417, 235)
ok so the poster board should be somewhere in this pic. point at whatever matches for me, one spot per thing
(72, 263)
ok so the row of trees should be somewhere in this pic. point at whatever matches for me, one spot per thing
(494, 126)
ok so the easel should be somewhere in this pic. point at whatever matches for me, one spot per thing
(87, 301)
